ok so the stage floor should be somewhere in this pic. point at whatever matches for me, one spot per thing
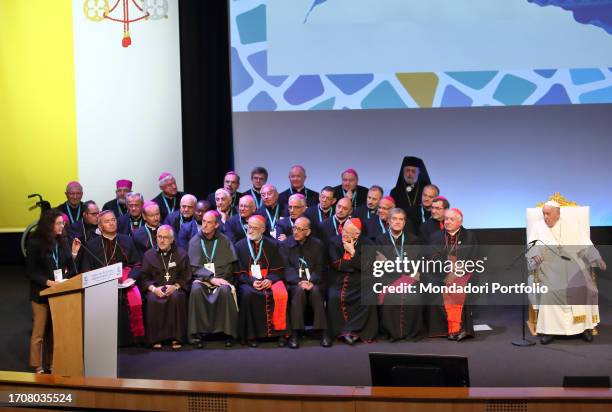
(493, 360)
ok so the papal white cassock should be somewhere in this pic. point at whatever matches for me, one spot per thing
(570, 306)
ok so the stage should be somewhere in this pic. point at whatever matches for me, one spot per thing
(493, 360)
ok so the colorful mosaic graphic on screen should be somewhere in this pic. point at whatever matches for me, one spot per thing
(253, 89)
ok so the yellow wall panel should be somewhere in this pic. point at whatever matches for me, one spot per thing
(37, 106)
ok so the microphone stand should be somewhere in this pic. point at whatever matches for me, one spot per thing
(522, 341)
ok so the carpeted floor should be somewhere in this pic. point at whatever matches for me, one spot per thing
(493, 361)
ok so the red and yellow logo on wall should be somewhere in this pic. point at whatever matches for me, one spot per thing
(126, 12)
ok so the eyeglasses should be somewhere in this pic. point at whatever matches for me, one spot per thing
(300, 229)
(164, 237)
(295, 207)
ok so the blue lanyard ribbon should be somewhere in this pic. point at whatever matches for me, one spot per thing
(354, 199)
(55, 256)
(273, 221)
(384, 230)
(119, 208)
(69, 208)
(257, 202)
(255, 259)
(399, 253)
(373, 211)
(303, 262)
(168, 207)
(150, 237)
(214, 248)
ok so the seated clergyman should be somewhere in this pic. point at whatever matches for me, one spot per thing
(213, 306)
(165, 276)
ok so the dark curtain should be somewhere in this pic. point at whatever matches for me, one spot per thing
(205, 94)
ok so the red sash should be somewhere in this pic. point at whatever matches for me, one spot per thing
(134, 301)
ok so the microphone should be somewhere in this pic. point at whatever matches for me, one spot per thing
(533, 242)
(92, 254)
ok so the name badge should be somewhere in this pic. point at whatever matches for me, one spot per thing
(273, 233)
(256, 271)
(210, 267)
(172, 264)
(57, 274)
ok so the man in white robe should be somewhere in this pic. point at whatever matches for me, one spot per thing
(562, 259)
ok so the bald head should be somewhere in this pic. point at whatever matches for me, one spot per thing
(297, 177)
(246, 206)
(269, 195)
(187, 205)
(344, 208)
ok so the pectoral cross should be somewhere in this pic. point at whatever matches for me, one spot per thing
(167, 277)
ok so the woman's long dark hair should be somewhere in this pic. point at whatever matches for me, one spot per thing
(45, 230)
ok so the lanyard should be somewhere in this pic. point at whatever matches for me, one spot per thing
(119, 208)
(273, 221)
(243, 226)
(305, 192)
(400, 252)
(133, 223)
(381, 225)
(68, 208)
(150, 237)
(354, 199)
(214, 248)
(303, 262)
(373, 211)
(55, 256)
(257, 202)
(166, 203)
(255, 259)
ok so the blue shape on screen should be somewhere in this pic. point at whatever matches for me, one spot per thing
(315, 3)
(547, 73)
(513, 90)
(597, 96)
(241, 80)
(555, 95)
(325, 104)
(259, 61)
(583, 76)
(262, 102)
(383, 96)
(595, 12)
(454, 98)
(304, 89)
(475, 80)
(350, 83)
(252, 25)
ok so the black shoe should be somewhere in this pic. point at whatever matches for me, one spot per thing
(326, 341)
(229, 342)
(546, 339)
(294, 343)
(252, 343)
(282, 342)
(587, 335)
(461, 335)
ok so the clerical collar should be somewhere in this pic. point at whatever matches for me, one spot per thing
(454, 233)
(325, 210)
(109, 236)
(394, 235)
(136, 218)
(150, 227)
(340, 221)
(165, 252)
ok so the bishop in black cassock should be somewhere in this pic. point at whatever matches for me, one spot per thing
(165, 278)
(348, 318)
